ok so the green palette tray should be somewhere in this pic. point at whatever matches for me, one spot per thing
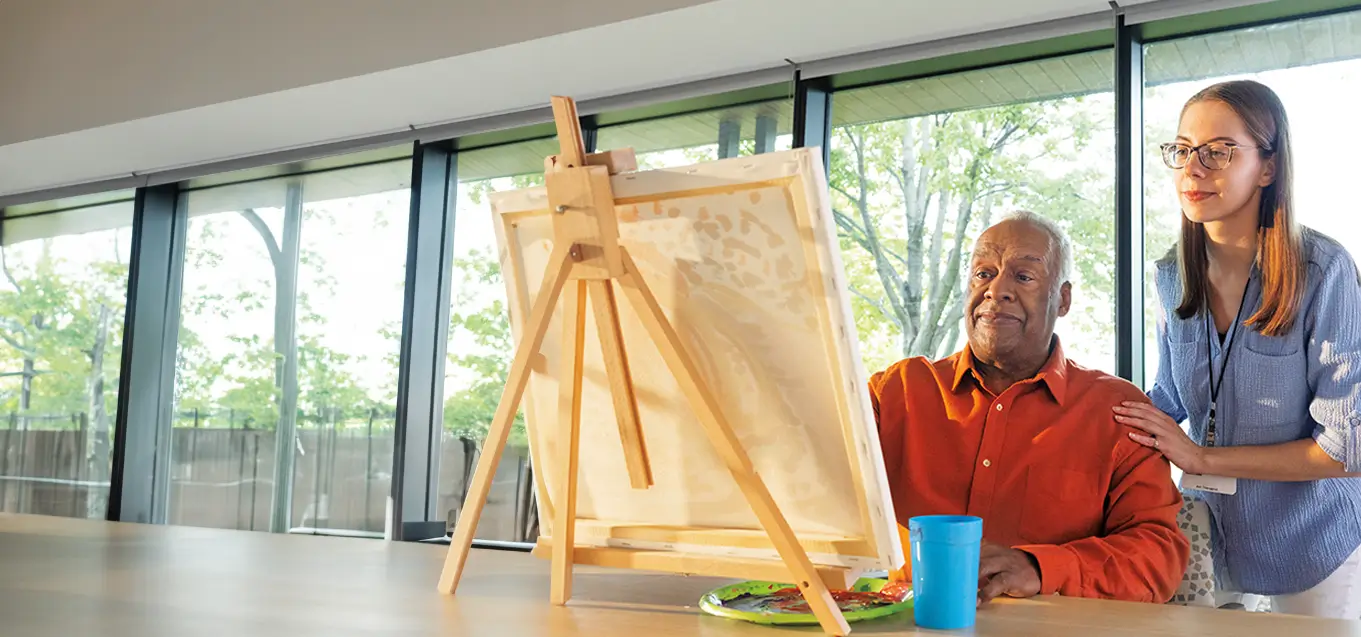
(751, 601)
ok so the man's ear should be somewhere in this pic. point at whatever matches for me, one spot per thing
(1065, 298)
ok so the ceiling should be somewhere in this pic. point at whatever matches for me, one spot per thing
(705, 40)
(198, 95)
(69, 65)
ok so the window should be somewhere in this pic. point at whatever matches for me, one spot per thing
(481, 346)
(62, 304)
(920, 168)
(704, 136)
(1315, 67)
(290, 326)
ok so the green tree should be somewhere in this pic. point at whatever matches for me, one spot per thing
(64, 333)
(482, 321)
(253, 396)
(36, 313)
(257, 372)
(910, 195)
(328, 389)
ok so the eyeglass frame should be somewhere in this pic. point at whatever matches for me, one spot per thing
(1196, 150)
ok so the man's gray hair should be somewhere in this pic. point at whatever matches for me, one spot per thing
(1060, 242)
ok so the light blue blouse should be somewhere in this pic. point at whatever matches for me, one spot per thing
(1274, 538)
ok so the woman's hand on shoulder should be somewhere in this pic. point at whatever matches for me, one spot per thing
(1152, 428)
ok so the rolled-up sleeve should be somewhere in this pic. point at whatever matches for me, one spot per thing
(1333, 321)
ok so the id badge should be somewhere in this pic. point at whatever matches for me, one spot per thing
(1211, 484)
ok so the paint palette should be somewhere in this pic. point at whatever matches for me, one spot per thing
(775, 603)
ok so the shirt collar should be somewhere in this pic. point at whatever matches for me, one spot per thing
(1054, 373)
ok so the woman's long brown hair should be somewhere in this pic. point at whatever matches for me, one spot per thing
(1280, 254)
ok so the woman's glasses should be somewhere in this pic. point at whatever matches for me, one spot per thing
(1214, 155)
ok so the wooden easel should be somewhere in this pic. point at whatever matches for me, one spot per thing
(587, 254)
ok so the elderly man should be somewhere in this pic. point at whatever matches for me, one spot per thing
(1011, 431)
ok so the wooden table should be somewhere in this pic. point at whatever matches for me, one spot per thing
(61, 577)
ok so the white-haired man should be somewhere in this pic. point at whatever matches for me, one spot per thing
(1011, 431)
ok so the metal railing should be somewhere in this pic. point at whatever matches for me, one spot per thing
(222, 472)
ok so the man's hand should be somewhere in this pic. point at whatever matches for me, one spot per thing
(1006, 571)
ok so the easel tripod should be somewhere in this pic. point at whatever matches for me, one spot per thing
(587, 260)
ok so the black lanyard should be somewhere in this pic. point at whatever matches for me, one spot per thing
(1223, 366)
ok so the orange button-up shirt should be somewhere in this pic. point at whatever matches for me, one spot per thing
(1044, 464)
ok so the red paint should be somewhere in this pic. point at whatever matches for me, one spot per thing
(790, 600)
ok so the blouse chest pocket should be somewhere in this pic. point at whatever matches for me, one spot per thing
(1272, 346)
(1272, 395)
(1061, 505)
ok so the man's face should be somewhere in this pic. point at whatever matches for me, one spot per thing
(1015, 296)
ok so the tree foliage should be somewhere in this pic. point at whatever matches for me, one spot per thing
(247, 386)
(62, 336)
(480, 319)
(481, 343)
(55, 325)
(911, 195)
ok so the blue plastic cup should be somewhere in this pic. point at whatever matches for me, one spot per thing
(945, 569)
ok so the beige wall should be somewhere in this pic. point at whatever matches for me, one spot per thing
(69, 65)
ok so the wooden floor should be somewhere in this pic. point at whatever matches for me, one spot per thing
(62, 577)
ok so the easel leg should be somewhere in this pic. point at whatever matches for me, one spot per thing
(621, 383)
(569, 440)
(555, 276)
(727, 445)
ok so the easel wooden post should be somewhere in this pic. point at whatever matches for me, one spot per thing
(587, 260)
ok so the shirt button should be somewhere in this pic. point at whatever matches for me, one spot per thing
(987, 463)
(999, 406)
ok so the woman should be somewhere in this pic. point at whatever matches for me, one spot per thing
(1260, 345)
